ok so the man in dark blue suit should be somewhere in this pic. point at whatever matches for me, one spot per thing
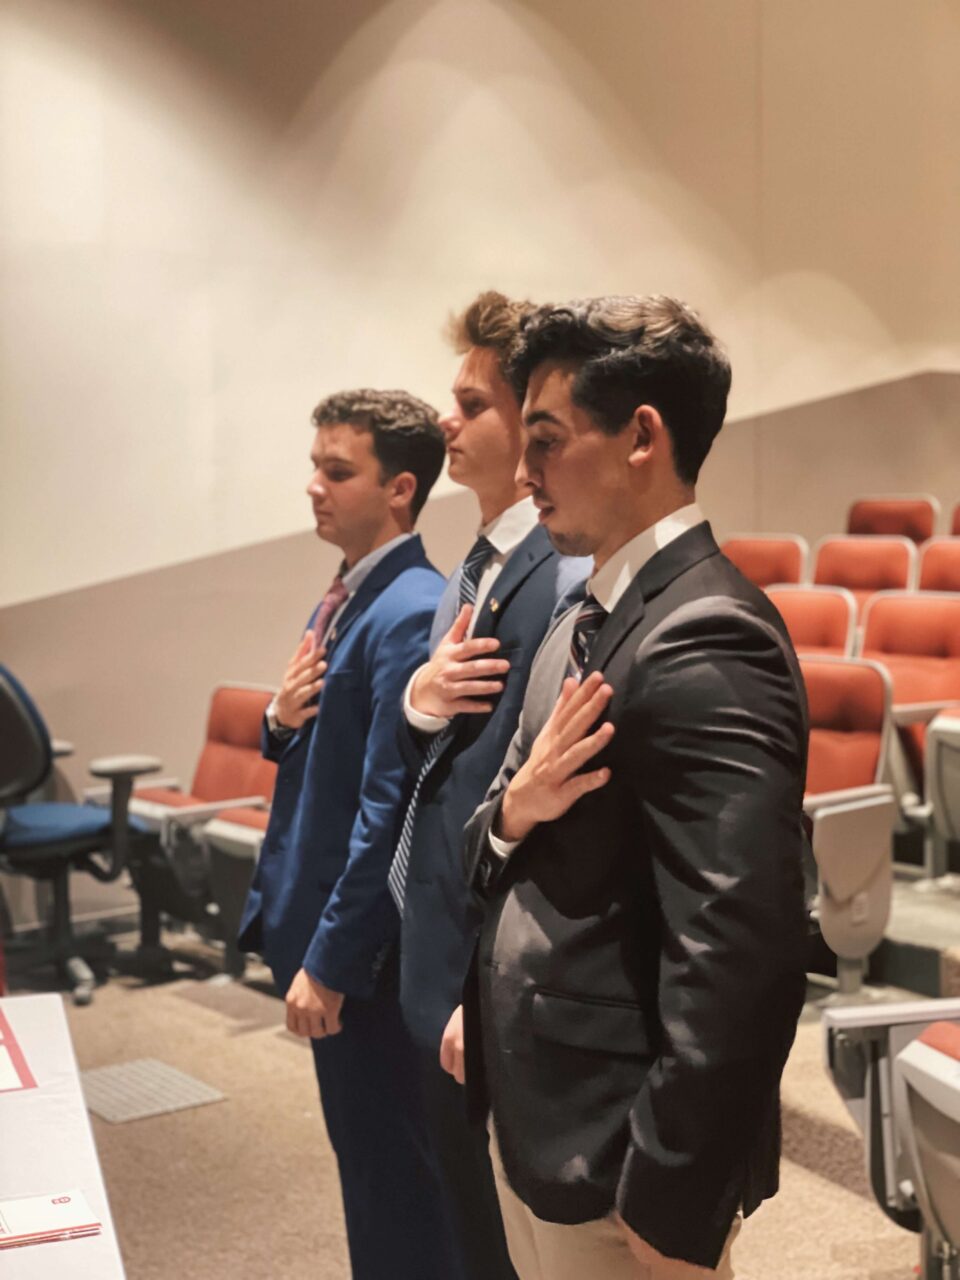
(320, 911)
(460, 712)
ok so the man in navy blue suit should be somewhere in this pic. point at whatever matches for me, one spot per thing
(460, 711)
(320, 911)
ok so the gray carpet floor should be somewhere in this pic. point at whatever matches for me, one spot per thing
(246, 1189)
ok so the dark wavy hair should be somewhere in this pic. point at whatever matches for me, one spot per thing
(406, 433)
(631, 351)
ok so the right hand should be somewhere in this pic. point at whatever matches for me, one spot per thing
(457, 678)
(302, 681)
(451, 1046)
(548, 783)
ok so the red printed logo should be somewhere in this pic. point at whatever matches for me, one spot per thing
(61, 1200)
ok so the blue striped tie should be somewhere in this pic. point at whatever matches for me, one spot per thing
(471, 572)
(590, 618)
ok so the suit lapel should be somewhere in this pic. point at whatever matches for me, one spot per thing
(660, 570)
(531, 552)
(409, 553)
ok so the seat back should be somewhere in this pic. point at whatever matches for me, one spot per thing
(865, 565)
(928, 1116)
(955, 523)
(820, 620)
(912, 515)
(230, 763)
(768, 558)
(917, 638)
(26, 757)
(849, 704)
(940, 565)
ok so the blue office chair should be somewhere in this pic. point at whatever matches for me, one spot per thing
(45, 841)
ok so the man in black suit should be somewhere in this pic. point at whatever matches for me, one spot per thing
(460, 712)
(640, 968)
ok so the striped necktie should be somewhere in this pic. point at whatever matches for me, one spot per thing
(590, 618)
(471, 571)
(470, 574)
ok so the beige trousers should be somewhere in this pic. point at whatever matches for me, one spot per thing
(588, 1251)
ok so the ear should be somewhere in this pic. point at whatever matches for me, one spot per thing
(402, 488)
(647, 434)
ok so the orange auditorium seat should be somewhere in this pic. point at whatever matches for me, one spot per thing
(849, 702)
(911, 515)
(917, 638)
(940, 565)
(851, 811)
(820, 620)
(768, 558)
(230, 766)
(865, 565)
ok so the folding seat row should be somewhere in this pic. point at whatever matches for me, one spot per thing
(862, 565)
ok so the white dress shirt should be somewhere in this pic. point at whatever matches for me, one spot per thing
(608, 584)
(505, 532)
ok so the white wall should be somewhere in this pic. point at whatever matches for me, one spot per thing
(215, 211)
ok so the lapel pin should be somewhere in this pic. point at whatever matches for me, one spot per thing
(494, 605)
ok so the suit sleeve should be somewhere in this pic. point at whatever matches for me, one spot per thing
(715, 748)
(360, 919)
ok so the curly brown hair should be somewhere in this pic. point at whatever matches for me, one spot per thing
(406, 433)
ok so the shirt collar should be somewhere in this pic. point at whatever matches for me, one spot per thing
(507, 530)
(353, 578)
(608, 584)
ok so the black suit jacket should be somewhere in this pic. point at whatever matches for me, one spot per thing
(640, 968)
(441, 917)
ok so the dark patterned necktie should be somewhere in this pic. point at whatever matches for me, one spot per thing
(470, 574)
(590, 618)
(329, 605)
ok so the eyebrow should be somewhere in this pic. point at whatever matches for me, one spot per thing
(540, 415)
(331, 457)
(466, 391)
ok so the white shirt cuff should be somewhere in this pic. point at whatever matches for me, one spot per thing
(502, 848)
(417, 719)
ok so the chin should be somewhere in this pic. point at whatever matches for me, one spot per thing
(570, 544)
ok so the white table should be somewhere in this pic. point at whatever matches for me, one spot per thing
(46, 1145)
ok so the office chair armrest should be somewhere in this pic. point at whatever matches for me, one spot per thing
(849, 797)
(124, 766)
(100, 794)
(190, 815)
(61, 748)
(121, 770)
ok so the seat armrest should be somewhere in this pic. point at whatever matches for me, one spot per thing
(124, 766)
(100, 794)
(191, 814)
(61, 748)
(907, 713)
(851, 797)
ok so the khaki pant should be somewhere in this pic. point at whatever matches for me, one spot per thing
(587, 1251)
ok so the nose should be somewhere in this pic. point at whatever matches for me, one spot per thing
(450, 424)
(524, 476)
(315, 488)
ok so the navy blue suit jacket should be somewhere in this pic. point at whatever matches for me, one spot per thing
(319, 898)
(440, 917)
